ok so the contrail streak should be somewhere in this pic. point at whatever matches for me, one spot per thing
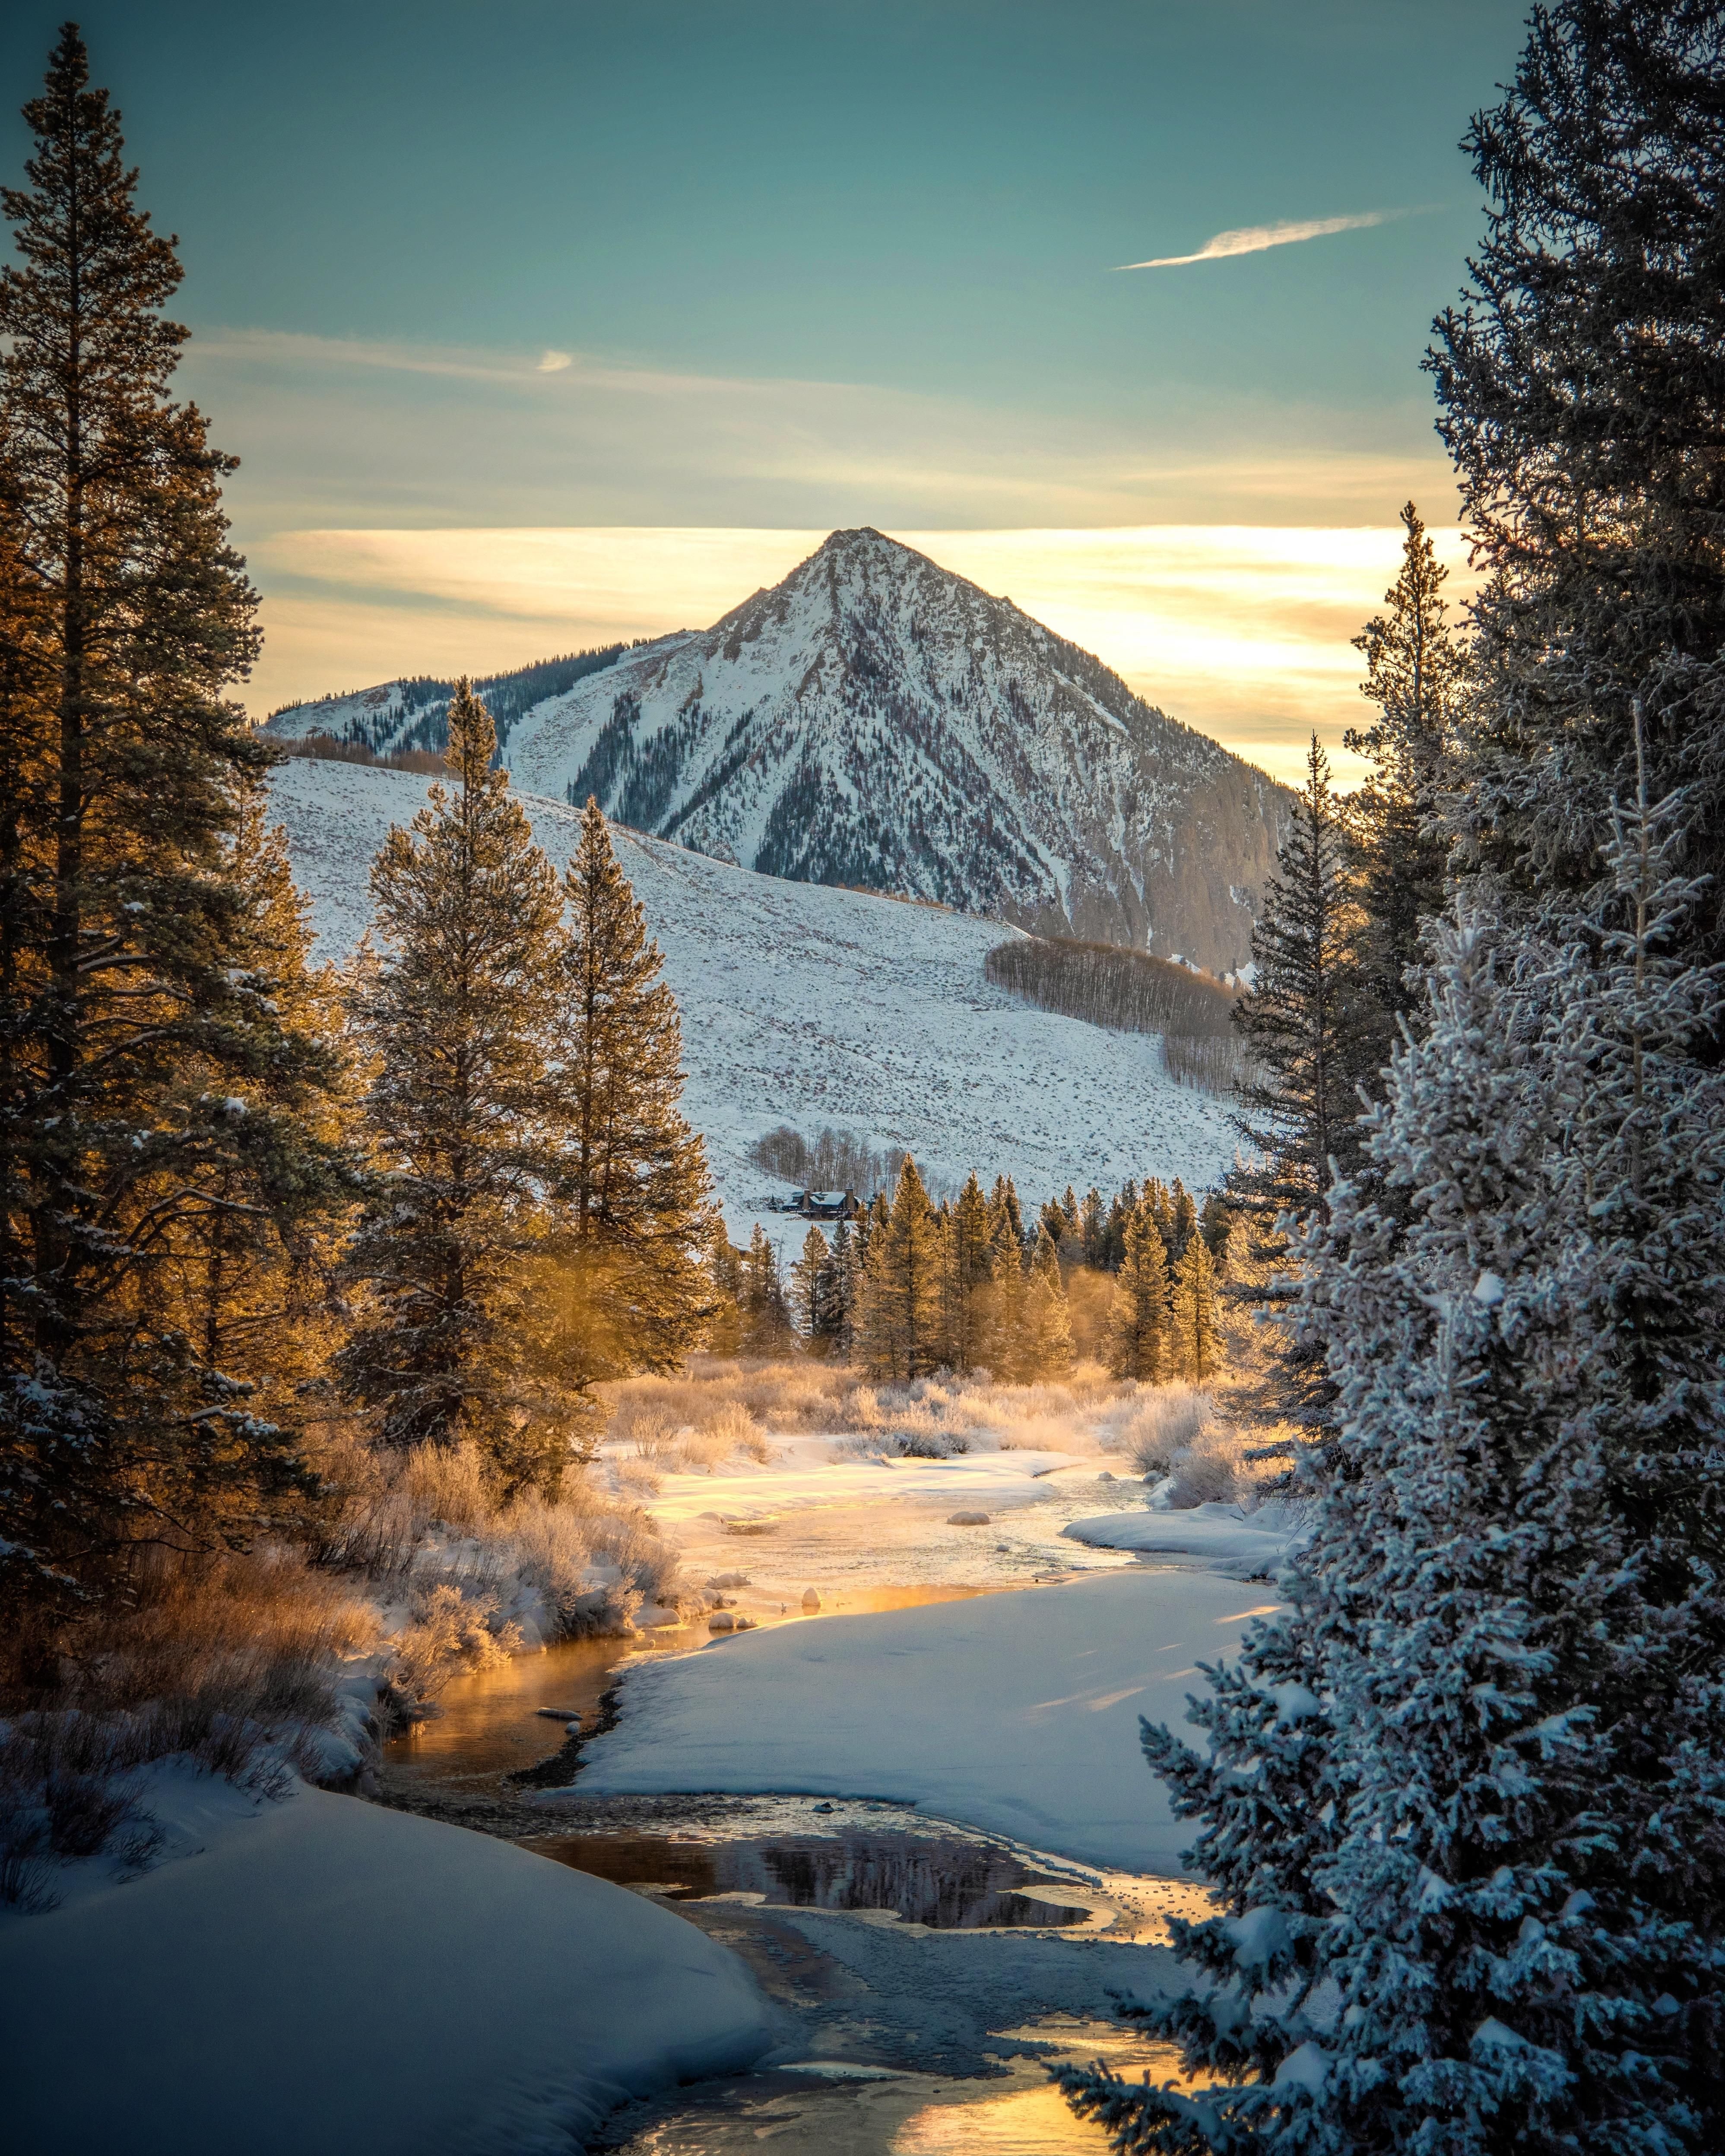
(1254, 239)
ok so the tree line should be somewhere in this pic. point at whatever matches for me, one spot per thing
(911, 1286)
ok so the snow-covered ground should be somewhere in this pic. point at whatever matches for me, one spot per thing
(1250, 1545)
(1015, 1712)
(320, 1974)
(816, 1007)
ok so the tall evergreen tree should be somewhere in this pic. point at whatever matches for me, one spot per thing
(1140, 1340)
(460, 1017)
(1195, 1328)
(630, 1181)
(844, 1291)
(1006, 1288)
(767, 1326)
(1462, 1802)
(902, 1304)
(1047, 1335)
(1582, 395)
(969, 1269)
(1300, 1020)
(811, 1277)
(147, 1082)
(1415, 670)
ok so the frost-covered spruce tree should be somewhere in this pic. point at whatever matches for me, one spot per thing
(1416, 672)
(1463, 1801)
(1582, 396)
(1300, 1020)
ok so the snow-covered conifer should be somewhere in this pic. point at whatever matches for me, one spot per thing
(1415, 672)
(1464, 1801)
(1301, 1021)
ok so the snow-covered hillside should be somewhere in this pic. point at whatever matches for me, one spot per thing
(876, 721)
(815, 1007)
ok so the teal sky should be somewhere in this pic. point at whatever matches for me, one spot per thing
(538, 263)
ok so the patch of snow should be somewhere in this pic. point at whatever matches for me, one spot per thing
(323, 1975)
(1214, 1534)
(1014, 1712)
(816, 1007)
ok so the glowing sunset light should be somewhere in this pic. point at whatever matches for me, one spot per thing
(1240, 630)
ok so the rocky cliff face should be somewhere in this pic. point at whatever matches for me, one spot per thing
(877, 722)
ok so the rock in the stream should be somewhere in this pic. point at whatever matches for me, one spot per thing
(722, 1620)
(569, 1714)
(811, 1600)
(966, 1519)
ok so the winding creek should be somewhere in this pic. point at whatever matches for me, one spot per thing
(928, 1973)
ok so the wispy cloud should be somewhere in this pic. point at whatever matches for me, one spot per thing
(1255, 239)
(554, 362)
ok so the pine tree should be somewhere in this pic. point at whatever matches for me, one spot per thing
(1415, 670)
(724, 1282)
(631, 1181)
(965, 1283)
(1462, 1801)
(767, 1329)
(1194, 1329)
(1578, 397)
(1300, 1020)
(810, 1278)
(1140, 1339)
(147, 1082)
(1005, 1213)
(1006, 1287)
(257, 1286)
(1047, 1350)
(1093, 1230)
(842, 1293)
(460, 1016)
(901, 1300)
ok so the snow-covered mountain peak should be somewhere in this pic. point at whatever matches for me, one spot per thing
(875, 721)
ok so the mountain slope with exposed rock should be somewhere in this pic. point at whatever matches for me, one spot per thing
(874, 721)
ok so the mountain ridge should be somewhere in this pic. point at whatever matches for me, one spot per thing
(875, 721)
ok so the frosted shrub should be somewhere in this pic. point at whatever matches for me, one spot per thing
(446, 1485)
(729, 1427)
(453, 1630)
(549, 1550)
(1207, 1473)
(1169, 1421)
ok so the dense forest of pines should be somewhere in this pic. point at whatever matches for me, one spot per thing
(910, 1287)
